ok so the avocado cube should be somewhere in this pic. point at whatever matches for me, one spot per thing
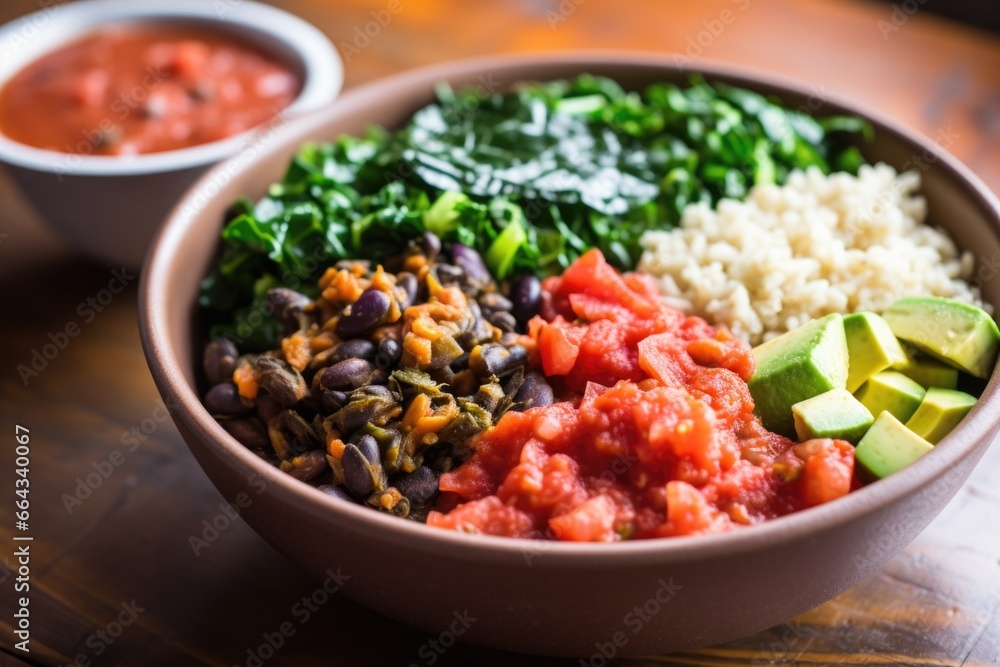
(888, 446)
(802, 363)
(940, 412)
(956, 333)
(927, 372)
(893, 392)
(871, 347)
(835, 414)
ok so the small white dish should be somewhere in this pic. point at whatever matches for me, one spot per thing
(110, 207)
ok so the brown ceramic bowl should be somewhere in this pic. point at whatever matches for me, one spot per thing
(537, 597)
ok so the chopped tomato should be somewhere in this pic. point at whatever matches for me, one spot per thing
(654, 435)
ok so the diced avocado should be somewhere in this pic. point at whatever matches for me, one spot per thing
(956, 333)
(927, 372)
(805, 362)
(871, 346)
(891, 392)
(889, 447)
(835, 414)
(940, 412)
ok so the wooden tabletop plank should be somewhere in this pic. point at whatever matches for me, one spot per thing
(99, 546)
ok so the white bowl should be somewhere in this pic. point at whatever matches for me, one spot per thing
(110, 207)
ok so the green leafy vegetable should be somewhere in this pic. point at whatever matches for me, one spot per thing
(531, 179)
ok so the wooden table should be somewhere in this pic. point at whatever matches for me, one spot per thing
(126, 543)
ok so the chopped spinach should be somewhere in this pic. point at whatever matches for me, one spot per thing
(531, 178)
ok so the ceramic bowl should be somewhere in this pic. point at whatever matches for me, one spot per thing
(584, 600)
(110, 207)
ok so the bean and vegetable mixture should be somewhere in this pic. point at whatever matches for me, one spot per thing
(381, 381)
(441, 322)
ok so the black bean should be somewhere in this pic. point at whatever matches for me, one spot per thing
(349, 373)
(431, 245)
(503, 321)
(535, 392)
(280, 380)
(219, 360)
(481, 330)
(448, 274)
(376, 390)
(471, 262)
(366, 313)
(368, 446)
(289, 305)
(334, 400)
(311, 464)
(250, 431)
(488, 396)
(526, 295)
(336, 491)
(388, 353)
(267, 407)
(357, 471)
(356, 348)
(493, 301)
(460, 363)
(407, 282)
(224, 399)
(419, 486)
(468, 339)
(494, 359)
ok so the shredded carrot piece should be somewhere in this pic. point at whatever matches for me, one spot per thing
(419, 408)
(415, 263)
(322, 341)
(297, 351)
(246, 381)
(419, 348)
(345, 287)
(334, 446)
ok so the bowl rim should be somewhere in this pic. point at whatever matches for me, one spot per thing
(979, 425)
(322, 67)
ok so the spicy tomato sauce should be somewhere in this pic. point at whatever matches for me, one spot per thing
(655, 435)
(138, 89)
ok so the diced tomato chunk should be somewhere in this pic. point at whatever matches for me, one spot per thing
(592, 521)
(654, 433)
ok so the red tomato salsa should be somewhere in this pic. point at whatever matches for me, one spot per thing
(137, 89)
(655, 435)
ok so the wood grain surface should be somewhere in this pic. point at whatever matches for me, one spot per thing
(114, 580)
